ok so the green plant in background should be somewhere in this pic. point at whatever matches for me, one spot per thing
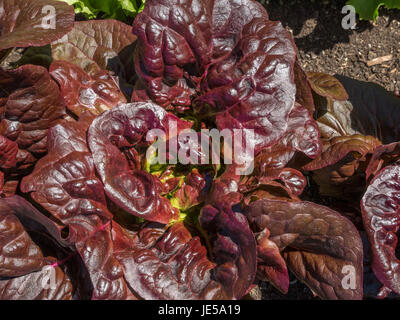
(116, 9)
(369, 9)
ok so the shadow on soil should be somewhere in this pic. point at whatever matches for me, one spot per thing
(318, 25)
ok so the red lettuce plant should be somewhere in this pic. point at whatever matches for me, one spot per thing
(81, 201)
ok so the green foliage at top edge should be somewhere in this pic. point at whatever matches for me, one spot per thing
(369, 9)
(116, 9)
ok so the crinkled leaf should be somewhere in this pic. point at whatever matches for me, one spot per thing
(166, 264)
(283, 182)
(270, 264)
(234, 248)
(380, 208)
(370, 111)
(32, 219)
(190, 193)
(326, 85)
(8, 153)
(25, 273)
(317, 244)
(31, 104)
(271, 175)
(82, 92)
(234, 245)
(26, 23)
(339, 171)
(270, 190)
(339, 147)
(8, 187)
(225, 190)
(293, 180)
(37, 286)
(106, 273)
(98, 44)
(187, 148)
(272, 159)
(302, 133)
(19, 255)
(65, 184)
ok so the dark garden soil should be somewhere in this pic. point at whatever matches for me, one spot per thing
(324, 46)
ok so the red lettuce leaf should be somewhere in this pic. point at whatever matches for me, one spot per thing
(8, 187)
(234, 245)
(191, 192)
(340, 147)
(326, 85)
(340, 170)
(187, 149)
(8, 153)
(334, 118)
(64, 181)
(28, 287)
(383, 156)
(166, 263)
(65, 184)
(234, 248)
(253, 87)
(271, 266)
(293, 180)
(286, 180)
(32, 219)
(302, 133)
(370, 110)
(316, 243)
(19, 255)
(174, 35)
(302, 136)
(380, 209)
(22, 22)
(31, 104)
(271, 174)
(271, 190)
(25, 273)
(225, 190)
(106, 273)
(83, 92)
(304, 94)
